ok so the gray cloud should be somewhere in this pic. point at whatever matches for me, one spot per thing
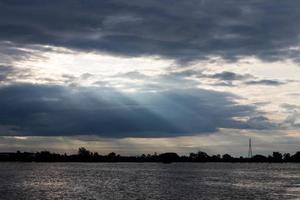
(225, 78)
(265, 82)
(180, 30)
(292, 119)
(5, 71)
(295, 94)
(260, 123)
(55, 110)
(290, 107)
(9, 74)
(135, 75)
(230, 76)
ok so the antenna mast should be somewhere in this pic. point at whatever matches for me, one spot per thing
(250, 149)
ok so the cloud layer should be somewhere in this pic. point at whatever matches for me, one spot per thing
(179, 30)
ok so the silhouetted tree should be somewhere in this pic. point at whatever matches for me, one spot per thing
(287, 157)
(168, 157)
(215, 158)
(277, 157)
(83, 152)
(296, 157)
(85, 155)
(259, 158)
(227, 158)
(202, 157)
(112, 157)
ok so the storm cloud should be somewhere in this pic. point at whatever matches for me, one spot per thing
(180, 30)
(56, 110)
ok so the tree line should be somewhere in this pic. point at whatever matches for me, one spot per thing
(84, 155)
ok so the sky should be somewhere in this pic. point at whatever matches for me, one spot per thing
(150, 76)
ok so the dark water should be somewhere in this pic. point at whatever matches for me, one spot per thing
(149, 181)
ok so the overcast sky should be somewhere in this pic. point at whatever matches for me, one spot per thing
(142, 76)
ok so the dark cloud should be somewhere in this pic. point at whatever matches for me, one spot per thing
(260, 123)
(182, 30)
(55, 110)
(265, 82)
(224, 78)
(230, 76)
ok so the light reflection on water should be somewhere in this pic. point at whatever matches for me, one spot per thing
(149, 181)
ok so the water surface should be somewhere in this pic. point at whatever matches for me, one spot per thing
(145, 181)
